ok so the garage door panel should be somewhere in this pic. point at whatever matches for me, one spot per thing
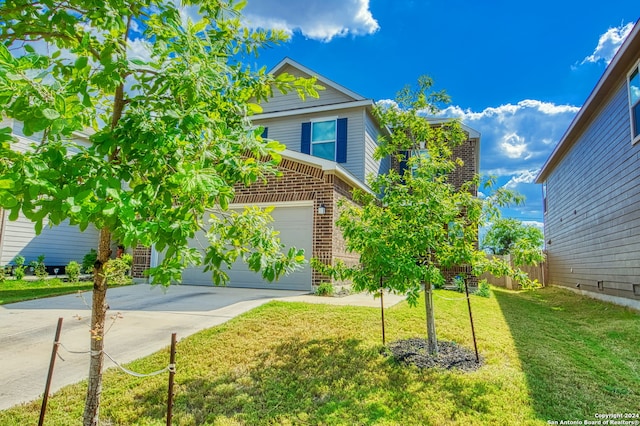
(295, 225)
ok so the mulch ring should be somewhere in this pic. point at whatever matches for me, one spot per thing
(450, 355)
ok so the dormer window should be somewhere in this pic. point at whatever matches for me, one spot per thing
(634, 102)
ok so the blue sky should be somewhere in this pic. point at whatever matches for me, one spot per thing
(516, 71)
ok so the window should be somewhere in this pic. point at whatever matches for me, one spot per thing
(634, 102)
(323, 139)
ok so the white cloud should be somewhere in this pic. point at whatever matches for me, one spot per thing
(609, 43)
(522, 176)
(315, 19)
(516, 140)
(514, 146)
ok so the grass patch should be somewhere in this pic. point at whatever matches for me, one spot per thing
(294, 363)
(12, 291)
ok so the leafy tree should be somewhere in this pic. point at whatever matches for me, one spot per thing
(511, 236)
(415, 224)
(169, 108)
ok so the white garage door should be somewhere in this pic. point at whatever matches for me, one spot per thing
(296, 229)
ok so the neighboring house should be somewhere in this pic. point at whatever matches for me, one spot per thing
(330, 142)
(591, 188)
(59, 244)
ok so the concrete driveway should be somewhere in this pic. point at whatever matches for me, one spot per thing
(148, 317)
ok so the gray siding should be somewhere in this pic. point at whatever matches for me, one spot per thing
(372, 132)
(288, 130)
(592, 224)
(60, 244)
(292, 101)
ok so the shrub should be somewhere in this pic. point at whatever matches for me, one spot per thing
(116, 270)
(458, 281)
(88, 261)
(73, 271)
(39, 268)
(325, 289)
(483, 289)
(18, 271)
(3, 274)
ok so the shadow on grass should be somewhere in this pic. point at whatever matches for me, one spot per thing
(320, 381)
(579, 355)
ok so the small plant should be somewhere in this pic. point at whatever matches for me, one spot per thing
(18, 271)
(39, 268)
(73, 271)
(117, 270)
(325, 289)
(483, 289)
(3, 274)
(458, 281)
(88, 261)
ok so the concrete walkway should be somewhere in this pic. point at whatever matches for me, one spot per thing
(144, 318)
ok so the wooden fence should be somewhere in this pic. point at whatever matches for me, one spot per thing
(539, 273)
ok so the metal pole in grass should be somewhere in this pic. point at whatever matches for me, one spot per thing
(382, 311)
(54, 352)
(473, 330)
(172, 373)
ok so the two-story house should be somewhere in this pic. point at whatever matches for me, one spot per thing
(591, 188)
(330, 142)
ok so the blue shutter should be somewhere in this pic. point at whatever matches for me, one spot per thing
(265, 132)
(305, 143)
(403, 163)
(341, 140)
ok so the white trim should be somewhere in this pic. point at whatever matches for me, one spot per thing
(312, 110)
(616, 300)
(635, 68)
(321, 119)
(277, 204)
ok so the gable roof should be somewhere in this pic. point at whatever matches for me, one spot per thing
(321, 79)
(625, 58)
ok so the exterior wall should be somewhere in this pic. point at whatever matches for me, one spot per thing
(467, 153)
(60, 244)
(372, 132)
(291, 100)
(288, 131)
(592, 224)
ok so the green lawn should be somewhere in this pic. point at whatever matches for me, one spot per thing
(549, 355)
(12, 291)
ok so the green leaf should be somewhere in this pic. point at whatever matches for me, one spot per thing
(5, 55)
(81, 62)
(109, 210)
(7, 200)
(7, 183)
(254, 108)
(50, 114)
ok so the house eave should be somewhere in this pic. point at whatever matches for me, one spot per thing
(313, 110)
(327, 166)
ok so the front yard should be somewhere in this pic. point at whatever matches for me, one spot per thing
(548, 355)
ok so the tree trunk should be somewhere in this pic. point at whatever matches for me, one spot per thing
(432, 340)
(98, 316)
